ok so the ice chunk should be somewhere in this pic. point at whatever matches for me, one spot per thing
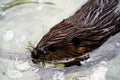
(14, 74)
(22, 66)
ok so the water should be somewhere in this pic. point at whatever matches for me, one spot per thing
(21, 24)
(2, 14)
(27, 23)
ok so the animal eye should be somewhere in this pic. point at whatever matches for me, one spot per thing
(51, 48)
(76, 41)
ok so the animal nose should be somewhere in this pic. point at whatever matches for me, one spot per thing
(37, 53)
(34, 54)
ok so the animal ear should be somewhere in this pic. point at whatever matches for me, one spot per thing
(76, 41)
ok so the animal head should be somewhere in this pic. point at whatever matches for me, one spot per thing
(59, 43)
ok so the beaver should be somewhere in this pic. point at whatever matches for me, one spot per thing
(85, 31)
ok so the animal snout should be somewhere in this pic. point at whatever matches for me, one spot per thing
(34, 54)
(37, 53)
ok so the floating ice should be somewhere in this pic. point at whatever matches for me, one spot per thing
(9, 35)
(22, 65)
(14, 74)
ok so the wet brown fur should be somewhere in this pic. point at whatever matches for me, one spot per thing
(82, 32)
